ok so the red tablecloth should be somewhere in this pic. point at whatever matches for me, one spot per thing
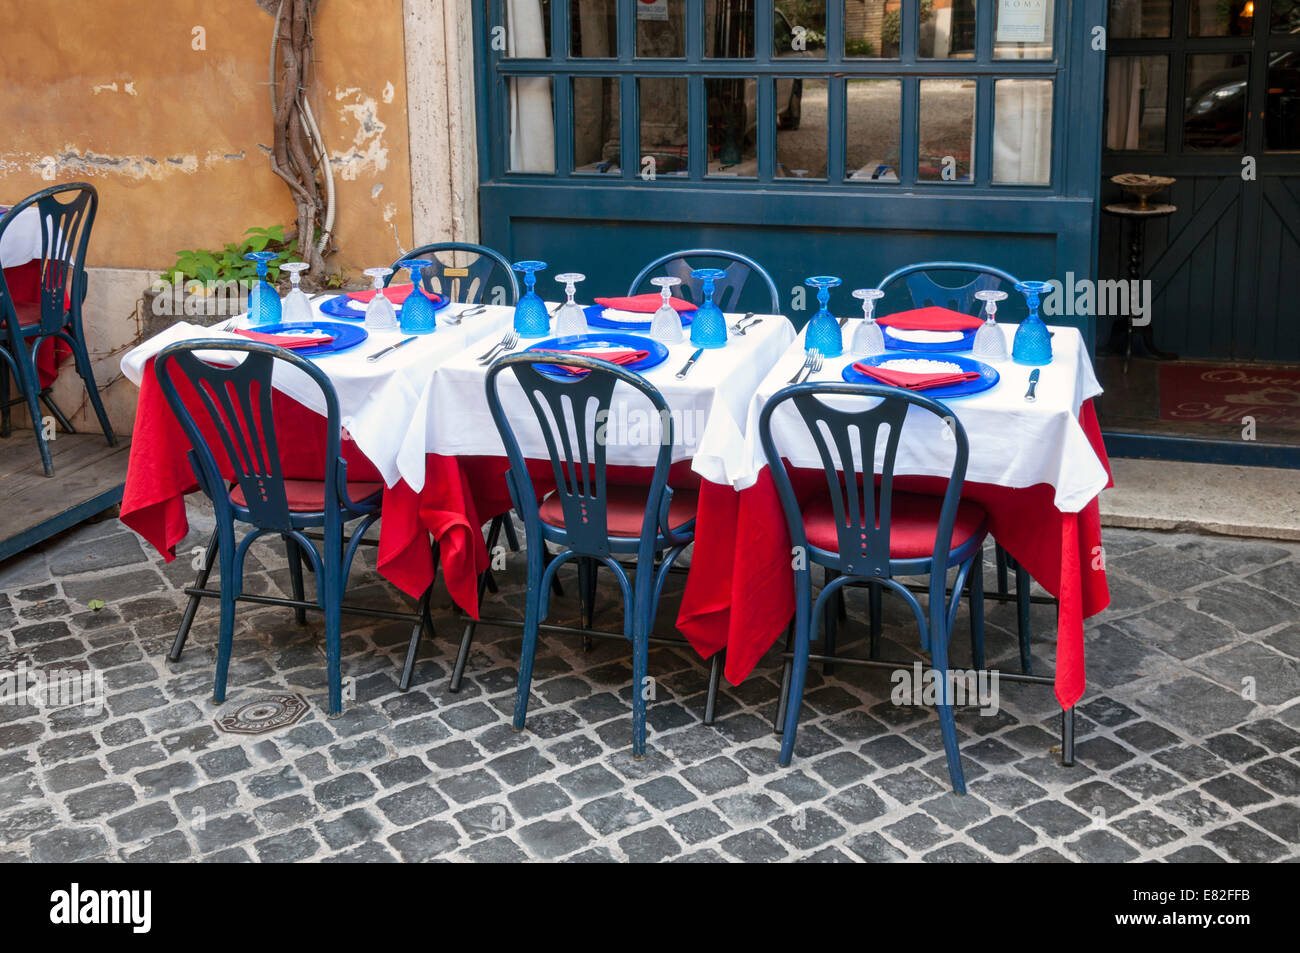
(24, 283)
(740, 593)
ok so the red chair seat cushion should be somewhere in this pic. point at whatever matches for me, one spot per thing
(308, 496)
(913, 522)
(625, 509)
(29, 313)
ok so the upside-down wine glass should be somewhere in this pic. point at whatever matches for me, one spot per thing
(1033, 342)
(868, 339)
(418, 313)
(823, 331)
(380, 314)
(570, 319)
(531, 318)
(990, 343)
(263, 300)
(666, 325)
(297, 309)
(709, 326)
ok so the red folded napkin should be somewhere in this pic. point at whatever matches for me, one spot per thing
(290, 341)
(911, 380)
(394, 293)
(614, 357)
(644, 303)
(930, 319)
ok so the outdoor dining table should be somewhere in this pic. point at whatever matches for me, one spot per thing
(20, 259)
(1037, 467)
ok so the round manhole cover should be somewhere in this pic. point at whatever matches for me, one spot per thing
(262, 714)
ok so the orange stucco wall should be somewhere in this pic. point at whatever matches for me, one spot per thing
(175, 138)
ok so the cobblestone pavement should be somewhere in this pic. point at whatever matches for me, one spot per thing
(1189, 733)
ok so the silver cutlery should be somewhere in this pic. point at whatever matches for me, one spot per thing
(752, 324)
(1033, 385)
(807, 363)
(454, 320)
(686, 368)
(392, 347)
(736, 327)
(816, 365)
(505, 344)
(843, 321)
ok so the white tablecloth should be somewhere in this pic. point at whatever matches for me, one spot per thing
(1013, 442)
(21, 240)
(708, 407)
(376, 399)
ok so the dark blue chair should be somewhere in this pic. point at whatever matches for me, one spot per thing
(726, 291)
(237, 403)
(869, 533)
(463, 284)
(586, 517)
(67, 214)
(924, 290)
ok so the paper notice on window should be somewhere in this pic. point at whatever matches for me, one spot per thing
(1022, 21)
(652, 10)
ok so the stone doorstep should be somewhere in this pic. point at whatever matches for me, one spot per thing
(1260, 502)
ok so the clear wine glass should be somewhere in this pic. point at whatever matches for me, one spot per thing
(709, 326)
(868, 339)
(666, 325)
(380, 314)
(263, 300)
(990, 343)
(1033, 342)
(531, 318)
(823, 331)
(297, 308)
(570, 319)
(418, 313)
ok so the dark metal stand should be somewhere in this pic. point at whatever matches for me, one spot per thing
(1122, 333)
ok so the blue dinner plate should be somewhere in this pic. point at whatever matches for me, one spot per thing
(596, 319)
(988, 376)
(341, 306)
(346, 336)
(608, 341)
(899, 344)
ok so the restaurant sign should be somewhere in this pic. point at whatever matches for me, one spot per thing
(652, 10)
(1022, 21)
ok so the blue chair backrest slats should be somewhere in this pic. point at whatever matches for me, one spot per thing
(65, 235)
(726, 291)
(464, 284)
(926, 291)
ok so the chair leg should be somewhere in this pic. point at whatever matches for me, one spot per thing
(640, 675)
(1000, 556)
(532, 621)
(778, 720)
(975, 581)
(876, 592)
(715, 679)
(6, 423)
(226, 633)
(293, 553)
(92, 390)
(1067, 737)
(27, 382)
(947, 724)
(831, 627)
(512, 538)
(191, 607)
(462, 656)
(413, 648)
(798, 675)
(334, 628)
(555, 580)
(59, 416)
(1022, 619)
(587, 593)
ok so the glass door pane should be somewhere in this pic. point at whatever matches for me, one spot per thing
(733, 126)
(595, 125)
(1137, 93)
(947, 30)
(947, 130)
(1214, 116)
(1022, 132)
(1285, 17)
(593, 28)
(661, 29)
(532, 124)
(871, 29)
(1282, 114)
(1022, 29)
(729, 29)
(801, 128)
(799, 28)
(1130, 19)
(1220, 17)
(874, 107)
(527, 29)
(662, 104)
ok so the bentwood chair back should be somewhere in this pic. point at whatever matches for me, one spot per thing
(726, 291)
(463, 284)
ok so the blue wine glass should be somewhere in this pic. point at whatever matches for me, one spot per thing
(418, 313)
(263, 300)
(531, 318)
(823, 331)
(709, 326)
(1033, 342)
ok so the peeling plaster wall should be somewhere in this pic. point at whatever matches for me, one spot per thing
(164, 108)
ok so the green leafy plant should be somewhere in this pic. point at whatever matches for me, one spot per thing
(229, 264)
(891, 25)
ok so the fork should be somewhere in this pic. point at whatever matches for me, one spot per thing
(736, 327)
(807, 363)
(505, 344)
(741, 333)
(816, 365)
(456, 319)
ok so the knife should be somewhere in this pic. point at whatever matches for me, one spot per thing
(686, 368)
(1033, 384)
(392, 347)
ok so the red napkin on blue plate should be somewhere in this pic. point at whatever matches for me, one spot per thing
(289, 341)
(912, 380)
(644, 303)
(394, 293)
(614, 357)
(930, 319)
